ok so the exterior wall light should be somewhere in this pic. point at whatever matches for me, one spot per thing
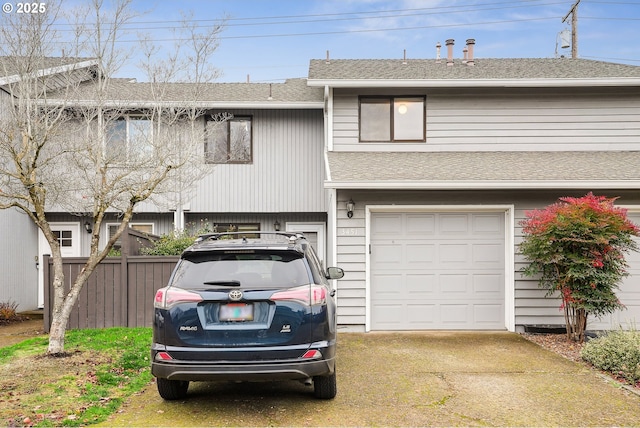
(350, 207)
(276, 226)
(87, 227)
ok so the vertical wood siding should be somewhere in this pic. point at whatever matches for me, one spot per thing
(286, 174)
(18, 252)
(515, 120)
(531, 305)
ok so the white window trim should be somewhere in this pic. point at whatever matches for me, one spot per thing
(127, 118)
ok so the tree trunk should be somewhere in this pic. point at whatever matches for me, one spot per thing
(575, 321)
(58, 319)
(63, 304)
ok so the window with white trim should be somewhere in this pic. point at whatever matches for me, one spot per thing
(129, 138)
(230, 141)
(392, 119)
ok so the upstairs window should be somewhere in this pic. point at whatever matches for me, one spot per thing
(129, 138)
(230, 141)
(392, 119)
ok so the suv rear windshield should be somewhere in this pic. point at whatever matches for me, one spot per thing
(244, 268)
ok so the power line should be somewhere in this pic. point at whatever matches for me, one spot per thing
(336, 17)
(368, 30)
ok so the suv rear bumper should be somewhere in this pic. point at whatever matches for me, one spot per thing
(209, 371)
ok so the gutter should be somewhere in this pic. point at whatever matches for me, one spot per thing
(303, 105)
(483, 185)
(475, 83)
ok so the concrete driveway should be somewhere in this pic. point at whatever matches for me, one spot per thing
(411, 379)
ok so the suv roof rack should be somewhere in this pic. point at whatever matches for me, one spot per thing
(292, 236)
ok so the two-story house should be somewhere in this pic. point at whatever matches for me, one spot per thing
(412, 175)
(271, 178)
(19, 246)
(433, 163)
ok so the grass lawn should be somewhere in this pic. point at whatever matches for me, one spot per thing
(101, 368)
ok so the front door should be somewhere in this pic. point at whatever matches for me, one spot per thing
(69, 238)
(314, 232)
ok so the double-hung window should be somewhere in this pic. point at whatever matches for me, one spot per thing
(229, 141)
(392, 119)
(130, 138)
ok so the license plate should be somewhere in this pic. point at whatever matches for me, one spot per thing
(236, 312)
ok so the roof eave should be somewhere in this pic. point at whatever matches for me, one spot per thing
(51, 71)
(200, 104)
(483, 184)
(474, 83)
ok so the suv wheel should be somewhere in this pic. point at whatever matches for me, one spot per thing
(325, 387)
(172, 389)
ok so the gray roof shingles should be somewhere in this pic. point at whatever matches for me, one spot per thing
(11, 65)
(291, 91)
(507, 167)
(484, 68)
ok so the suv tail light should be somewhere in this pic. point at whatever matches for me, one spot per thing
(307, 294)
(169, 296)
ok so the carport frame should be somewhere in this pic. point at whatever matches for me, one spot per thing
(509, 248)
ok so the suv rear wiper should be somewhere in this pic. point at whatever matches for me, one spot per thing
(225, 283)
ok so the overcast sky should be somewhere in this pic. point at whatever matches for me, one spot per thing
(271, 40)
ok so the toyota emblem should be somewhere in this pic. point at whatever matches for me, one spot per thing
(235, 295)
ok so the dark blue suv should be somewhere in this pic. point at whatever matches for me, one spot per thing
(246, 309)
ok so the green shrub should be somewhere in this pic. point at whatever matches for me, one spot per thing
(617, 352)
(171, 244)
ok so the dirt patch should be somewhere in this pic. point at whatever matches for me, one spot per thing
(16, 332)
(557, 343)
(26, 399)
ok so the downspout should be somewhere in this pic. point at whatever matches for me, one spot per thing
(332, 230)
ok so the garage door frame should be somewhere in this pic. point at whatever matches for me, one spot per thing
(509, 257)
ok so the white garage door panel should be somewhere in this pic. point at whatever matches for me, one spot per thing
(437, 271)
(629, 294)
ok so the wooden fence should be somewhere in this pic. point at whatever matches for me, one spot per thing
(119, 293)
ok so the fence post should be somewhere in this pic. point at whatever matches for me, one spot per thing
(124, 273)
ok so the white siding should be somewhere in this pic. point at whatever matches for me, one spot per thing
(531, 305)
(286, 174)
(512, 120)
(18, 267)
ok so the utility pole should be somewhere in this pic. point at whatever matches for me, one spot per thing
(574, 28)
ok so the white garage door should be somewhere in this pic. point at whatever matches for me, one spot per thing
(437, 271)
(629, 295)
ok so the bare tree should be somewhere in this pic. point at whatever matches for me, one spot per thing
(75, 139)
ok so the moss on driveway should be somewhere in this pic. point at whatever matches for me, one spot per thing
(411, 379)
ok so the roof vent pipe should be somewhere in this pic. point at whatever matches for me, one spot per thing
(404, 59)
(327, 60)
(449, 43)
(438, 46)
(470, 44)
(464, 55)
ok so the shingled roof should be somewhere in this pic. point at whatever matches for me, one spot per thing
(485, 71)
(12, 67)
(490, 170)
(293, 93)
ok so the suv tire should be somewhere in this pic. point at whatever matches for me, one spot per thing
(325, 387)
(172, 389)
